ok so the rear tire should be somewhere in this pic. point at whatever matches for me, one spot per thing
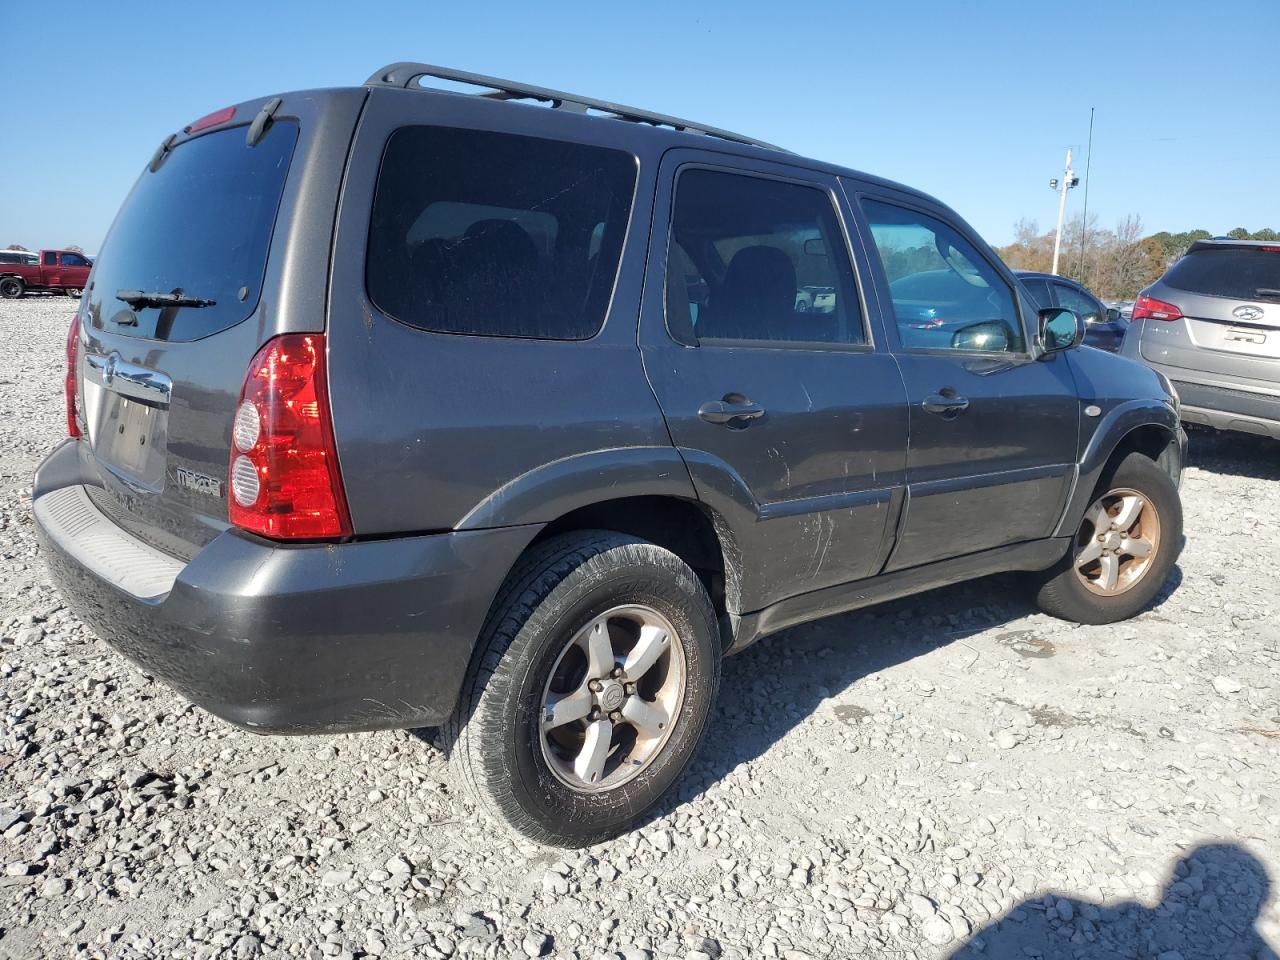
(521, 759)
(74, 292)
(1122, 552)
(11, 288)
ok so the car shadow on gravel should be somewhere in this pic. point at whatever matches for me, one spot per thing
(1234, 454)
(1209, 908)
(775, 684)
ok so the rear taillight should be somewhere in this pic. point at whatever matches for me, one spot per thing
(1149, 308)
(284, 480)
(73, 346)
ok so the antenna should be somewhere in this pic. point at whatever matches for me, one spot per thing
(1084, 217)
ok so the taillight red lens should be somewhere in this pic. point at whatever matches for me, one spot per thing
(1149, 308)
(73, 347)
(284, 479)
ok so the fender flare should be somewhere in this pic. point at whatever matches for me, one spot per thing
(1121, 421)
(548, 492)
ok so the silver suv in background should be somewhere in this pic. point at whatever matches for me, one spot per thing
(1211, 324)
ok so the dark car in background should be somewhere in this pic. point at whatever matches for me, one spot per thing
(1211, 324)
(1104, 326)
(391, 407)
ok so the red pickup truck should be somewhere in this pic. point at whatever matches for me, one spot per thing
(51, 270)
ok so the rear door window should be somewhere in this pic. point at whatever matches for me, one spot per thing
(757, 259)
(1240, 273)
(199, 226)
(493, 234)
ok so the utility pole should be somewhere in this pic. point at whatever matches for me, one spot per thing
(1069, 180)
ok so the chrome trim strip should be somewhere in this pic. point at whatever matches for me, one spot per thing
(128, 379)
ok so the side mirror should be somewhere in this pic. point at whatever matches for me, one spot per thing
(1113, 315)
(1060, 330)
(990, 336)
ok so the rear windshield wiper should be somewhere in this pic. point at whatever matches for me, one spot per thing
(141, 298)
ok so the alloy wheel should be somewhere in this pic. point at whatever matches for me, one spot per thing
(1117, 542)
(612, 699)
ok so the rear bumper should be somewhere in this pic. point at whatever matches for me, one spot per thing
(293, 639)
(1229, 408)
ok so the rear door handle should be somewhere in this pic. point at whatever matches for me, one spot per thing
(945, 403)
(724, 411)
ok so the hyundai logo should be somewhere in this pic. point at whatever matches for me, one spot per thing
(1247, 313)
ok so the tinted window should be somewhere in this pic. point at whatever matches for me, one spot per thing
(945, 294)
(200, 225)
(1039, 291)
(497, 235)
(74, 260)
(50, 260)
(9, 258)
(759, 260)
(1241, 273)
(1079, 303)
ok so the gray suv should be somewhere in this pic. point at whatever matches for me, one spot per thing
(1211, 324)
(392, 407)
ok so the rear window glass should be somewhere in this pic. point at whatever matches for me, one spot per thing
(200, 227)
(1240, 273)
(497, 235)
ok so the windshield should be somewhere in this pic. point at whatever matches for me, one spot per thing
(198, 230)
(1240, 273)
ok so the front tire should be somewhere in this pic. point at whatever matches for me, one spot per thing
(590, 689)
(11, 288)
(1123, 550)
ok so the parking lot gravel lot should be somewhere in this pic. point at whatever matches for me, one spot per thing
(950, 774)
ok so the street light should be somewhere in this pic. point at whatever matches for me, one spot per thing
(1069, 180)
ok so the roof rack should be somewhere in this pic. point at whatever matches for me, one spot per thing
(405, 74)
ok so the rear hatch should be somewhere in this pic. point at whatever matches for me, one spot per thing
(1229, 296)
(203, 265)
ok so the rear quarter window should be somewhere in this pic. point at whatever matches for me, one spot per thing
(1239, 273)
(494, 234)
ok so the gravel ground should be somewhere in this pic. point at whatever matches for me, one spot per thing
(953, 773)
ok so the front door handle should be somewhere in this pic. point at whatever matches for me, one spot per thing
(946, 403)
(725, 411)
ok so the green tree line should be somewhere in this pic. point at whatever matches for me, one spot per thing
(1114, 264)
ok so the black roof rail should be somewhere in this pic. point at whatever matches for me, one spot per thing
(405, 73)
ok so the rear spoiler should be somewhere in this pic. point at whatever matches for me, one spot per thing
(1228, 243)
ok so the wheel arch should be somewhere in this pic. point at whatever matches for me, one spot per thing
(685, 526)
(1148, 427)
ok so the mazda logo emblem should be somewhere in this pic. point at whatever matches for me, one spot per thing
(1247, 313)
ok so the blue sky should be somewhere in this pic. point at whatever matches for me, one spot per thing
(974, 102)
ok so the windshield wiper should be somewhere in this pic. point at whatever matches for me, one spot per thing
(141, 298)
(1266, 292)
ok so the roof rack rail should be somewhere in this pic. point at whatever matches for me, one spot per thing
(405, 73)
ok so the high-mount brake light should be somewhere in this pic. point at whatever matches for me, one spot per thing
(212, 119)
(73, 348)
(284, 479)
(1149, 308)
